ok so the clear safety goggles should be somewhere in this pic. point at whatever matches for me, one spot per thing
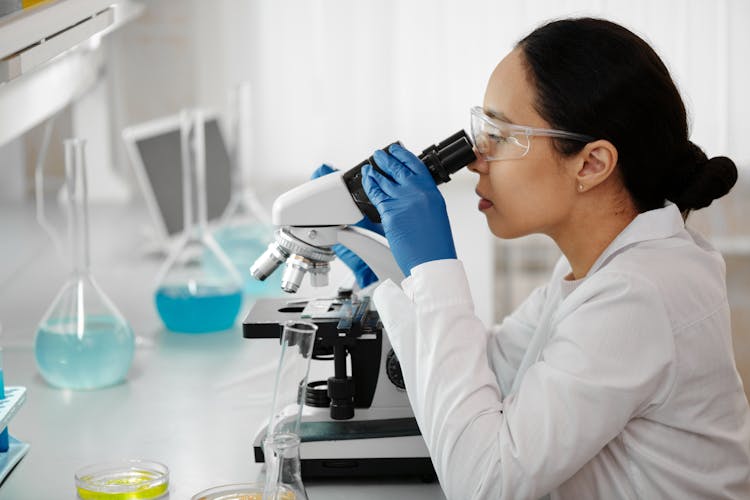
(499, 140)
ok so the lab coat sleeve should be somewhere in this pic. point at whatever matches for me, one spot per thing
(606, 362)
(508, 340)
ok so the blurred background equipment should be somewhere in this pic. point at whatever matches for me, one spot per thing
(155, 155)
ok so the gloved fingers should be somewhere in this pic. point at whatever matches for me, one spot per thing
(321, 171)
(387, 186)
(372, 186)
(409, 160)
(392, 166)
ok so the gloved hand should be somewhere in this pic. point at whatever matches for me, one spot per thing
(411, 207)
(362, 271)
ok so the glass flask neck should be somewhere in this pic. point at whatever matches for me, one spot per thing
(244, 205)
(193, 156)
(241, 137)
(78, 213)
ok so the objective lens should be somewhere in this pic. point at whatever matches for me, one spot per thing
(267, 263)
(296, 268)
(319, 274)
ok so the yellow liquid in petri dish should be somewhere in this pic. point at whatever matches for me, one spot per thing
(130, 484)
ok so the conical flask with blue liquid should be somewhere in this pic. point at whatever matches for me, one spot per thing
(82, 341)
(198, 289)
(244, 229)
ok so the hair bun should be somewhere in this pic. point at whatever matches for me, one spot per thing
(707, 180)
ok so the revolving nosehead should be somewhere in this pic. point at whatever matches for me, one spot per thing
(267, 263)
(301, 257)
(296, 268)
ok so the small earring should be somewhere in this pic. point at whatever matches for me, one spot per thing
(580, 187)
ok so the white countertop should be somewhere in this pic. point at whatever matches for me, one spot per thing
(192, 402)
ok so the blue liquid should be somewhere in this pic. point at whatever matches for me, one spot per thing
(205, 309)
(243, 245)
(99, 358)
(4, 443)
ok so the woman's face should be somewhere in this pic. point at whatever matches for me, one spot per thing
(532, 194)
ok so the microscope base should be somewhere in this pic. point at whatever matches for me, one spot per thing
(358, 464)
(369, 467)
(352, 449)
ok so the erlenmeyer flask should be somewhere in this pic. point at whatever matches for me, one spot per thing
(283, 468)
(244, 229)
(198, 289)
(281, 444)
(83, 342)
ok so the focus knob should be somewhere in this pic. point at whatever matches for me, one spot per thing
(393, 370)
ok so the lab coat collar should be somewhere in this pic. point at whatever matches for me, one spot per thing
(655, 224)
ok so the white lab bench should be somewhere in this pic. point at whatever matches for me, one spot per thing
(192, 402)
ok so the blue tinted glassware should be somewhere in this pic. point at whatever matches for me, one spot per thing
(198, 289)
(82, 341)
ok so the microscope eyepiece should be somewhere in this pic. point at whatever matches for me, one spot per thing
(442, 160)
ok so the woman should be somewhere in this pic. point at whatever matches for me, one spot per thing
(617, 378)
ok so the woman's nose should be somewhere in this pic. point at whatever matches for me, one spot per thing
(478, 166)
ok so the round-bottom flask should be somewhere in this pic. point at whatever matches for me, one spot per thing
(82, 342)
(198, 290)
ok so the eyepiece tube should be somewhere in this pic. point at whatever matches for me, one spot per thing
(442, 160)
(461, 134)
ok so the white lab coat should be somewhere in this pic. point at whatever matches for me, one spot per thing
(619, 385)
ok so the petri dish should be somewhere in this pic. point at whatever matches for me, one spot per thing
(123, 480)
(240, 491)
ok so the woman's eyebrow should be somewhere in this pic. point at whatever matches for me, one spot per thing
(498, 115)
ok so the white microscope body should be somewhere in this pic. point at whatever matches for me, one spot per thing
(311, 219)
(377, 434)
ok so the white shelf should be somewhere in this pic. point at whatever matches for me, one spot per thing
(47, 48)
(31, 27)
(47, 57)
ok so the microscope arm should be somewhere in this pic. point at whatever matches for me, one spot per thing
(373, 249)
(312, 218)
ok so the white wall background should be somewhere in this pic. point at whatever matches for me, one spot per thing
(335, 79)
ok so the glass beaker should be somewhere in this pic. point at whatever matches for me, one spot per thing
(244, 229)
(198, 289)
(82, 342)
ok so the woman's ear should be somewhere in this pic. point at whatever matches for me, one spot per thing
(594, 164)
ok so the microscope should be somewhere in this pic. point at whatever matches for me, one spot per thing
(358, 422)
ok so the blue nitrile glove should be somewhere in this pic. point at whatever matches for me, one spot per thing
(362, 271)
(411, 208)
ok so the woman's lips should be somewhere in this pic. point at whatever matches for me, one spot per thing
(484, 204)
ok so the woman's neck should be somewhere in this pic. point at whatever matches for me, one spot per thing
(587, 235)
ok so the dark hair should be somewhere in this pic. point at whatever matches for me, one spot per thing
(597, 78)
